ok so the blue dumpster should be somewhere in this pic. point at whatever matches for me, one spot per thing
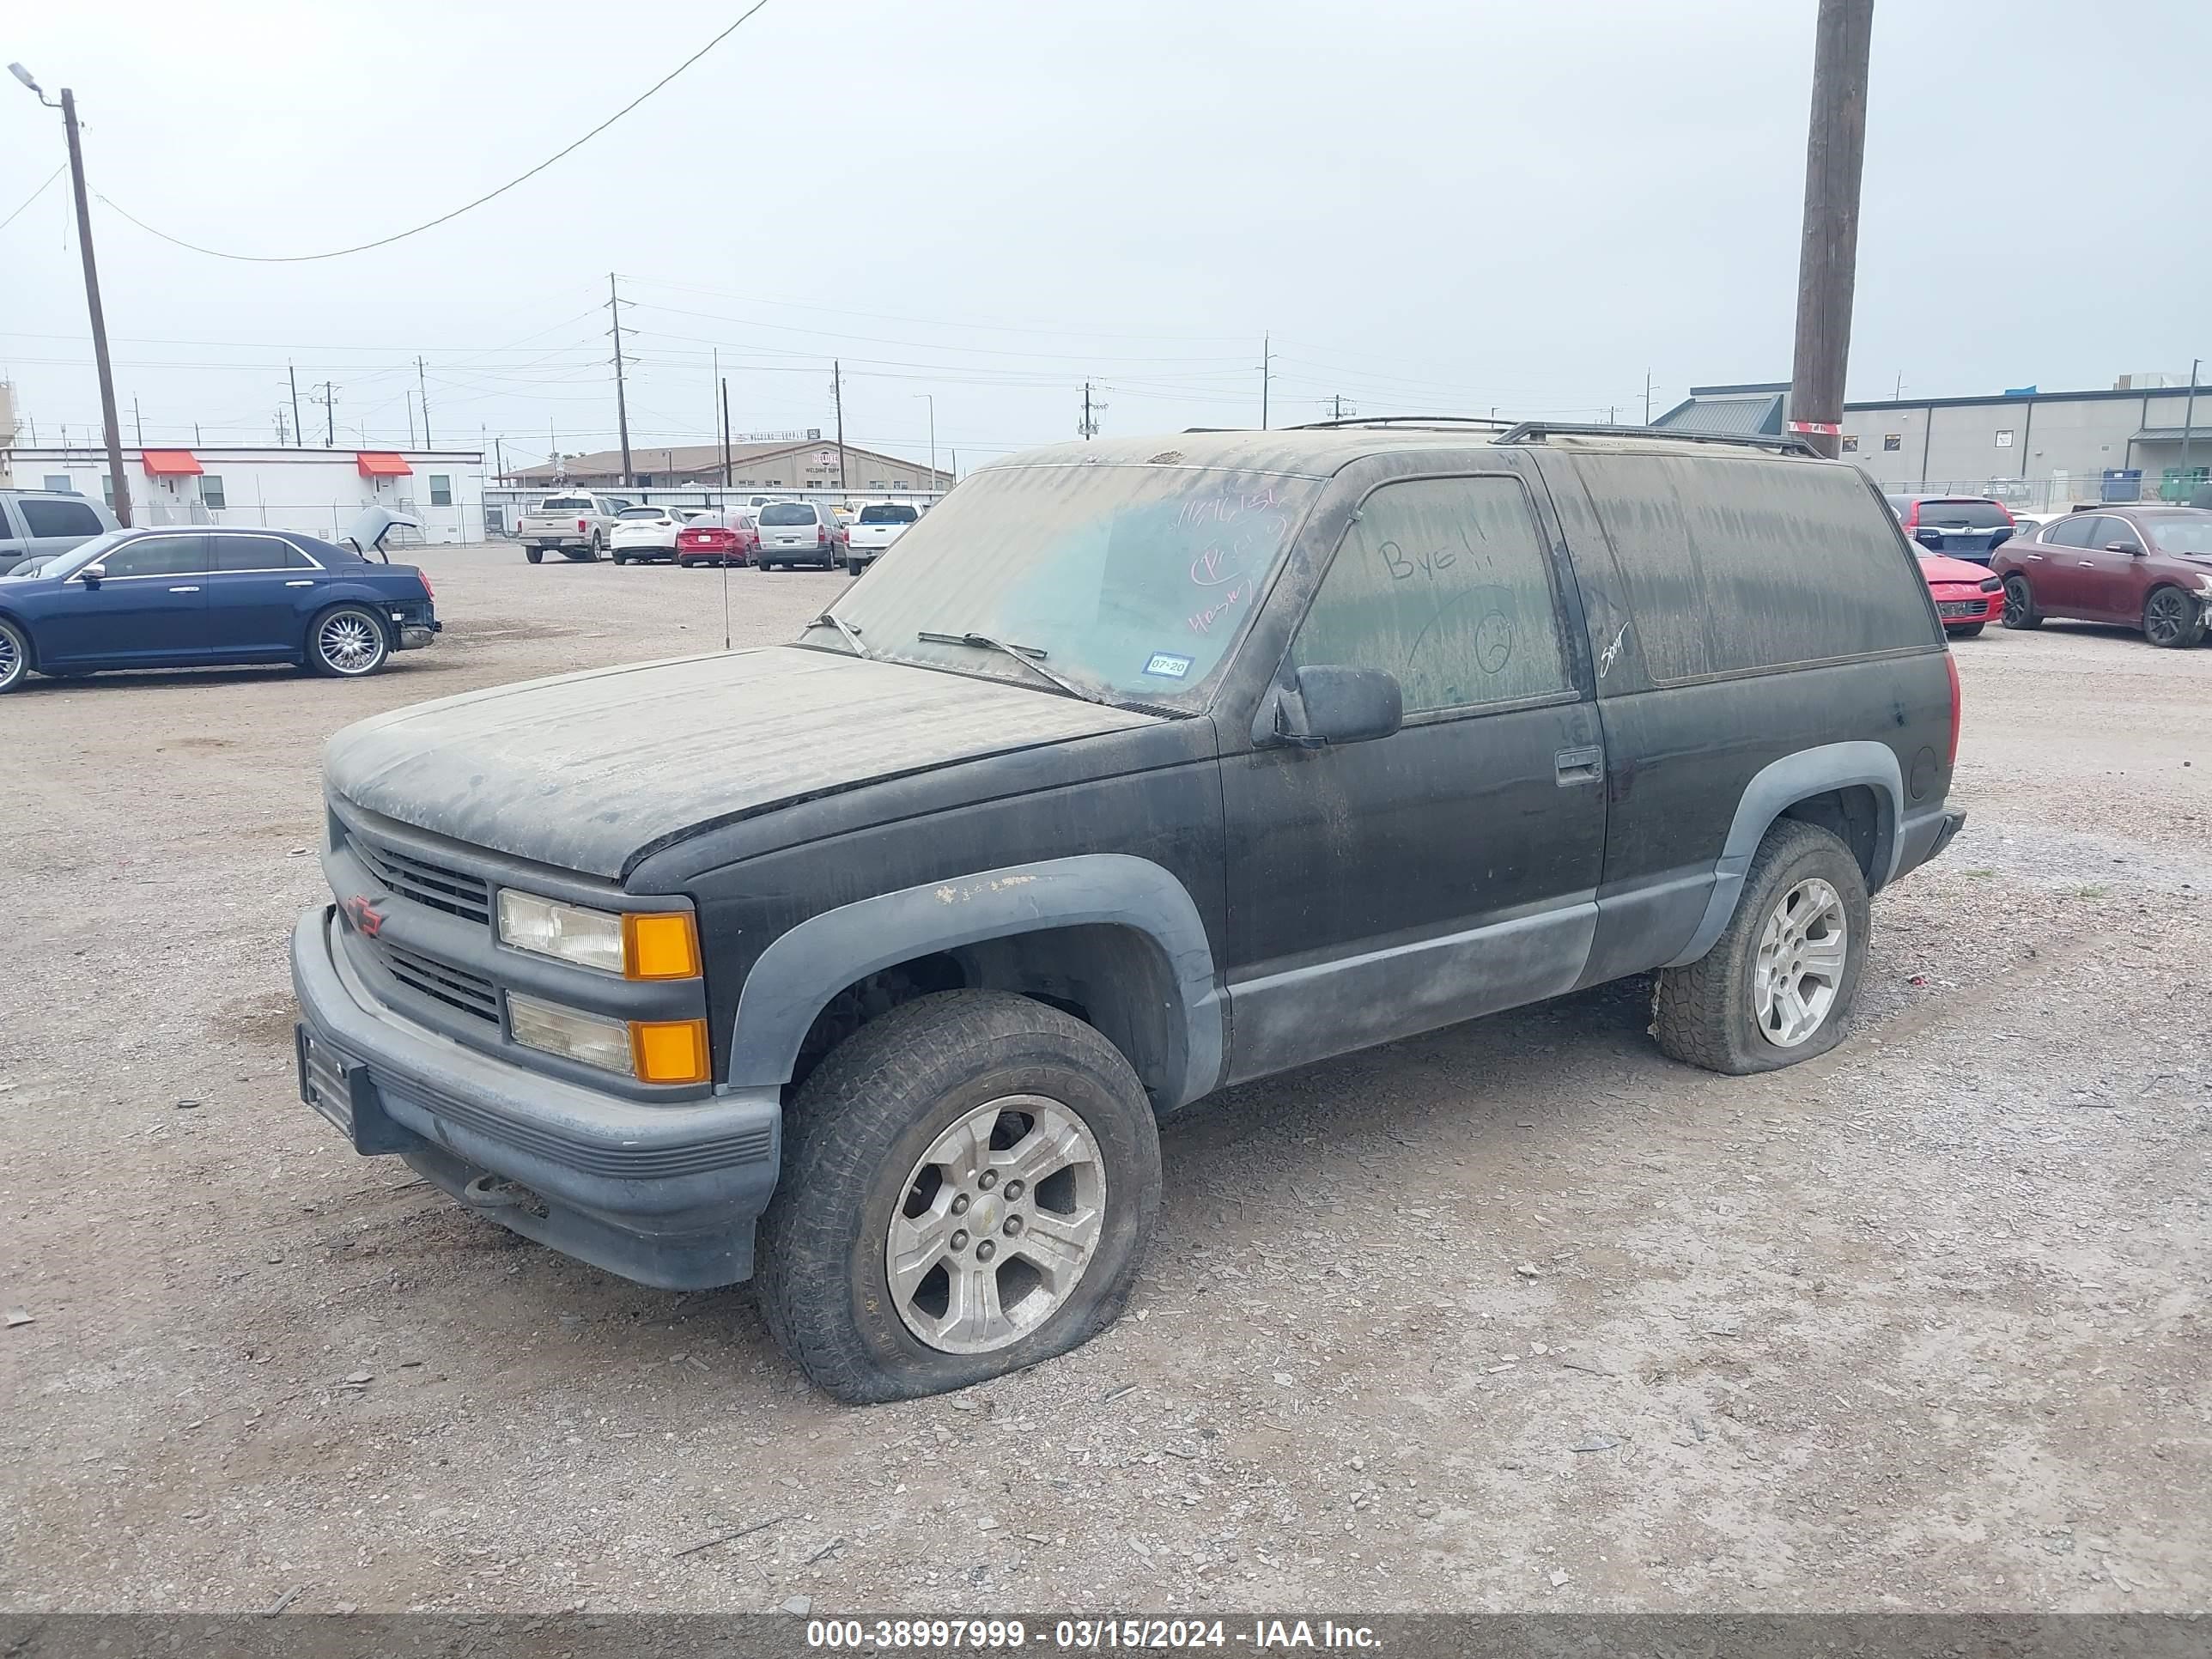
(2121, 483)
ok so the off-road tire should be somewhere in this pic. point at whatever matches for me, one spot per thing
(876, 1104)
(1701, 1012)
(2020, 611)
(535, 554)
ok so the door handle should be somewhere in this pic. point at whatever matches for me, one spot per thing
(1578, 765)
(2037, 557)
(308, 583)
(184, 590)
(2087, 564)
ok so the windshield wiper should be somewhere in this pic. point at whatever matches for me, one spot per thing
(1027, 656)
(852, 633)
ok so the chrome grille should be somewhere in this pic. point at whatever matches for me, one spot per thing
(438, 885)
(456, 987)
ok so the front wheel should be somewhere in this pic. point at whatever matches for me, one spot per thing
(14, 655)
(1779, 984)
(967, 1185)
(348, 642)
(1968, 631)
(2172, 619)
(2020, 610)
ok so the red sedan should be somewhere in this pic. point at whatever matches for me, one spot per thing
(729, 536)
(1967, 596)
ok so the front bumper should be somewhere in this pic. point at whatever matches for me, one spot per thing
(664, 1195)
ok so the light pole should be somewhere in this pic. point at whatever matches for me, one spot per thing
(116, 482)
(930, 400)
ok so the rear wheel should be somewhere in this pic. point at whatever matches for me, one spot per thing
(1780, 981)
(969, 1183)
(535, 554)
(348, 642)
(622, 558)
(2020, 610)
(2171, 618)
(852, 566)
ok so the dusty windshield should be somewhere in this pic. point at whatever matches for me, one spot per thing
(2191, 535)
(1129, 582)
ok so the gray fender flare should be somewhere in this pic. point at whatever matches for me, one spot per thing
(804, 968)
(1782, 784)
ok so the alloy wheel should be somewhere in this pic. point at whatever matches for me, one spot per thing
(998, 1223)
(2017, 601)
(349, 642)
(2167, 616)
(1800, 965)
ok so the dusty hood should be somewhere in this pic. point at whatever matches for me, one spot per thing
(588, 772)
(1936, 568)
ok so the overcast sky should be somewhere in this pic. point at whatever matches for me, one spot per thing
(1434, 206)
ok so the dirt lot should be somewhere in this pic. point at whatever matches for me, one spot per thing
(1515, 1315)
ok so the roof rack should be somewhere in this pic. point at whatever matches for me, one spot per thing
(1533, 431)
(1399, 420)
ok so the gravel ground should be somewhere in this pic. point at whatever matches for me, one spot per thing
(1515, 1315)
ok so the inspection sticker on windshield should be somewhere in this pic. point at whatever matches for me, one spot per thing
(1168, 665)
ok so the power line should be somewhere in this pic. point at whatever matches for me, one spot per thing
(401, 236)
(34, 195)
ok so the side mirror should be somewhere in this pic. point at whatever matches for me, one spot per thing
(93, 574)
(1332, 704)
(2124, 547)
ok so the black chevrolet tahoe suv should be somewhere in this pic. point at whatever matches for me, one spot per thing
(867, 965)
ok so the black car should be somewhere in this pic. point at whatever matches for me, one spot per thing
(191, 598)
(1145, 768)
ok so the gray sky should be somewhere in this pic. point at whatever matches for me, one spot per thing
(1435, 206)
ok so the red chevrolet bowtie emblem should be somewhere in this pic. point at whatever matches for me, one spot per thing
(366, 916)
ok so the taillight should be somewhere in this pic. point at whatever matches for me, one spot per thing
(582, 525)
(1912, 516)
(1951, 666)
(424, 577)
(821, 535)
(2011, 522)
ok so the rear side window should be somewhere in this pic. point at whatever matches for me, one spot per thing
(1444, 583)
(257, 553)
(786, 513)
(1737, 564)
(2072, 532)
(59, 518)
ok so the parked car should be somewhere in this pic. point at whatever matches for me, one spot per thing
(879, 525)
(642, 534)
(800, 532)
(188, 599)
(35, 524)
(2146, 567)
(577, 525)
(1968, 599)
(729, 537)
(1146, 768)
(1964, 526)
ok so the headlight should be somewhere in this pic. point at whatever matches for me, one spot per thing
(661, 945)
(651, 1050)
(1992, 584)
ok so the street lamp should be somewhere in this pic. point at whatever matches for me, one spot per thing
(118, 484)
(931, 401)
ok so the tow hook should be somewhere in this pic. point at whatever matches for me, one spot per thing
(490, 1192)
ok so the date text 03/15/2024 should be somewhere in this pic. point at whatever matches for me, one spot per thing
(1085, 1635)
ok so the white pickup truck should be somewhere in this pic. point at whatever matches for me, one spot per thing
(576, 525)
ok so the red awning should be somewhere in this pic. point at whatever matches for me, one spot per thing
(377, 463)
(170, 462)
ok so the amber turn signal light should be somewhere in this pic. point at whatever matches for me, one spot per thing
(668, 1050)
(663, 946)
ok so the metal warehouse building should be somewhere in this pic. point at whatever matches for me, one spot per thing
(2135, 441)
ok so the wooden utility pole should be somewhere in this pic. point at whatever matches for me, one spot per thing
(726, 432)
(1835, 150)
(422, 397)
(292, 375)
(119, 482)
(1089, 428)
(837, 392)
(622, 395)
(1266, 374)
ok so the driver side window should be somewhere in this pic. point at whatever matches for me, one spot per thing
(1444, 583)
(157, 555)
